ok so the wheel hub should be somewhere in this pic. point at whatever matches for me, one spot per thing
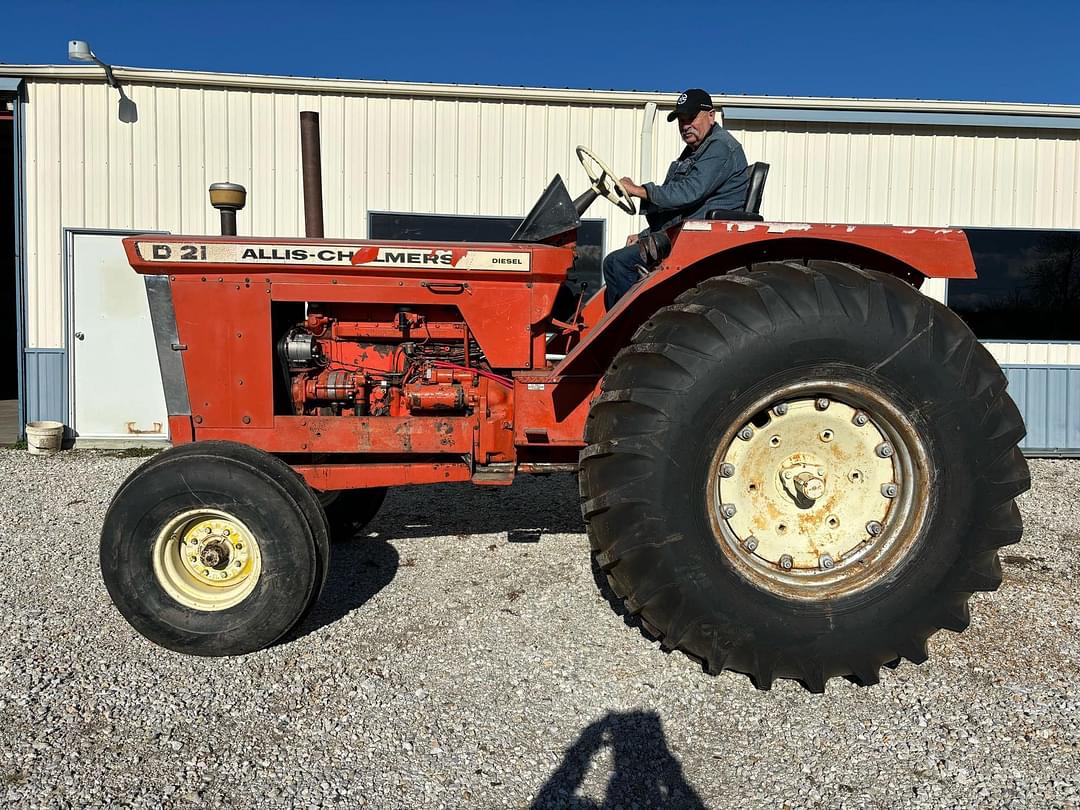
(808, 490)
(216, 551)
(215, 555)
(207, 559)
(801, 477)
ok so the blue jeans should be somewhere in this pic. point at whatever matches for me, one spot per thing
(620, 273)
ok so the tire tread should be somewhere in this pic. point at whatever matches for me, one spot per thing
(710, 322)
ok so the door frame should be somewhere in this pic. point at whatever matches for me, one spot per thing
(69, 235)
(13, 89)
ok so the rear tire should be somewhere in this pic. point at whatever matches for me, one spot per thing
(348, 511)
(211, 555)
(857, 578)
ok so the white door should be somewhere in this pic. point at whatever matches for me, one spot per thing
(115, 378)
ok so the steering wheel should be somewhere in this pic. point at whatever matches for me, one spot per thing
(604, 181)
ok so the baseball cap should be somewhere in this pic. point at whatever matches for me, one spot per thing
(691, 102)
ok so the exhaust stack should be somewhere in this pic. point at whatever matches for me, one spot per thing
(311, 157)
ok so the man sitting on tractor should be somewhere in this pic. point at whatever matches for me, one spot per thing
(710, 173)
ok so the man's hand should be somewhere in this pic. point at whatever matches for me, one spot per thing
(633, 189)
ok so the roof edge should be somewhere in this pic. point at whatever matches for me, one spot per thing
(983, 118)
(517, 93)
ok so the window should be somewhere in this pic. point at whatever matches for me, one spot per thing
(455, 228)
(1028, 286)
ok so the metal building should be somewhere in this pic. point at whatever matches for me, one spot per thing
(81, 174)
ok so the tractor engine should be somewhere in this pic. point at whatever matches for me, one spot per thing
(393, 362)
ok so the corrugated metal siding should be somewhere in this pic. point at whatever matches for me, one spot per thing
(46, 385)
(1049, 399)
(929, 176)
(86, 169)
(442, 155)
(1037, 353)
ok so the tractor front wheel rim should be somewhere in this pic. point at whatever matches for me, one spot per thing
(207, 559)
(817, 490)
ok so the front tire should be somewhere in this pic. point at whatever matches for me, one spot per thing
(210, 555)
(739, 478)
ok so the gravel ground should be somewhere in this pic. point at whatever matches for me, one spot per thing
(461, 658)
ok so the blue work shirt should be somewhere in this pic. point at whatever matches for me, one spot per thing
(714, 175)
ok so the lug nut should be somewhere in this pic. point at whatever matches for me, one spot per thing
(787, 474)
(746, 434)
(780, 409)
(751, 543)
(728, 510)
(727, 470)
(786, 562)
(860, 418)
(884, 450)
(239, 564)
(226, 532)
(821, 404)
(826, 562)
(873, 528)
(888, 490)
(194, 558)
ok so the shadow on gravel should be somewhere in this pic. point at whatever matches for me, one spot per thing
(361, 567)
(645, 772)
(358, 570)
(525, 511)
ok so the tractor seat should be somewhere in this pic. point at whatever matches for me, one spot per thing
(755, 188)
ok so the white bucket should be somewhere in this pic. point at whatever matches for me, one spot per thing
(43, 438)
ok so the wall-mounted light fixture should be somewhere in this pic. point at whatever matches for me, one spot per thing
(79, 51)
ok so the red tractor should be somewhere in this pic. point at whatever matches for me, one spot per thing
(792, 463)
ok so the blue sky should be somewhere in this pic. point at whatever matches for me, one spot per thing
(994, 51)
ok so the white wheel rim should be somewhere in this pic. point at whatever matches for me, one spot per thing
(207, 559)
(824, 496)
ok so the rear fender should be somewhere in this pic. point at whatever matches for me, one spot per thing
(702, 250)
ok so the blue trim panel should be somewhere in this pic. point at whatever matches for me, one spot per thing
(10, 84)
(939, 119)
(1049, 400)
(46, 385)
